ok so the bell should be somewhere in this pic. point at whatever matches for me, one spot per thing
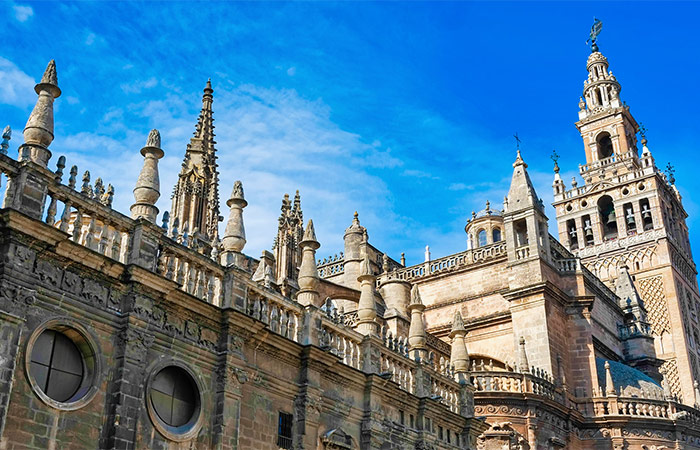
(630, 218)
(572, 233)
(646, 214)
(589, 231)
(612, 217)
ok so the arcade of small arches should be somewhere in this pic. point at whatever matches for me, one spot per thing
(636, 218)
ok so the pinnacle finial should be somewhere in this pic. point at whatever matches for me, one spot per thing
(415, 296)
(50, 76)
(153, 139)
(457, 323)
(309, 233)
(237, 195)
(6, 136)
(208, 89)
(366, 267)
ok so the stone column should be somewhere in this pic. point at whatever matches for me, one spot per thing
(147, 190)
(367, 309)
(416, 332)
(459, 357)
(38, 133)
(127, 388)
(308, 272)
(234, 234)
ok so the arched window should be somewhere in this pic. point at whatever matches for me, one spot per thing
(605, 146)
(481, 237)
(606, 209)
(496, 234)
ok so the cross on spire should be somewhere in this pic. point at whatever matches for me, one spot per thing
(555, 158)
(517, 141)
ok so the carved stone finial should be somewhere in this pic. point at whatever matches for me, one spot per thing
(6, 136)
(50, 76)
(522, 357)
(153, 139)
(609, 385)
(234, 235)
(86, 189)
(416, 330)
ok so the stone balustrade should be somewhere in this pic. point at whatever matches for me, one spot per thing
(447, 263)
(281, 316)
(630, 155)
(341, 341)
(534, 382)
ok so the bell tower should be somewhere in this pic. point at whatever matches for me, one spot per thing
(628, 216)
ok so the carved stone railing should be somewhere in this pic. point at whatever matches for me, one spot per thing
(281, 316)
(448, 263)
(522, 252)
(332, 269)
(630, 155)
(538, 383)
(590, 277)
(198, 275)
(622, 243)
(343, 342)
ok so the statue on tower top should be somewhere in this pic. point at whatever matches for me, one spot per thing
(595, 31)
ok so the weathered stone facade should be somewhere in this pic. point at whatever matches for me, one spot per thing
(119, 333)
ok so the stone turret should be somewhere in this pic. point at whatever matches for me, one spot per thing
(459, 357)
(416, 332)
(367, 308)
(308, 273)
(147, 190)
(234, 235)
(558, 185)
(38, 133)
(524, 219)
(355, 240)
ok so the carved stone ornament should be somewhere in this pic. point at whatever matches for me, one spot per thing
(11, 293)
(501, 436)
(153, 139)
(338, 439)
(136, 343)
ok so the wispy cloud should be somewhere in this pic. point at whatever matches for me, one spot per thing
(138, 86)
(16, 87)
(22, 12)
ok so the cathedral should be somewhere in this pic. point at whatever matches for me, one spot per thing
(155, 330)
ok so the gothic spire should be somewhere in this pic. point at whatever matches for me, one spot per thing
(522, 193)
(196, 195)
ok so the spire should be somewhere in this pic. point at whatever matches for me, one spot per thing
(6, 136)
(196, 194)
(147, 190)
(288, 253)
(522, 193)
(609, 385)
(459, 357)
(308, 273)
(38, 133)
(234, 234)
(416, 331)
(601, 91)
(366, 308)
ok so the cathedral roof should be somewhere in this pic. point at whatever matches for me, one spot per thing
(628, 381)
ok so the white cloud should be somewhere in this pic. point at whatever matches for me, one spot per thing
(16, 87)
(138, 86)
(92, 39)
(22, 12)
(292, 71)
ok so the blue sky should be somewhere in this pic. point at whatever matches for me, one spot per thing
(402, 111)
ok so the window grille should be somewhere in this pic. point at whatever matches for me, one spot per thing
(284, 431)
